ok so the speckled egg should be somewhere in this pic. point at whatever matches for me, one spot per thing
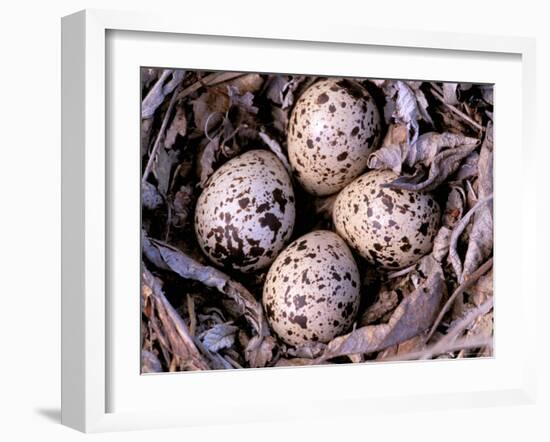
(245, 214)
(391, 228)
(333, 128)
(311, 292)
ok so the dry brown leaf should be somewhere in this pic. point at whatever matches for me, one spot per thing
(450, 93)
(309, 350)
(413, 316)
(165, 256)
(275, 86)
(454, 257)
(482, 329)
(259, 354)
(150, 363)
(180, 342)
(413, 345)
(181, 205)
(292, 87)
(280, 118)
(164, 86)
(388, 157)
(401, 107)
(275, 147)
(246, 83)
(454, 207)
(243, 101)
(219, 337)
(430, 144)
(296, 362)
(468, 168)
(145, 137)
(178, 126)
(442, 151)
(162, 168)
(487, 93)
(387, 300)
(209, 109)
(458, 326)
(393, 151)
(441, 244)
(443, 165)
(483, 289)
(480, 244)
(207, 159)
(150, 197)
(148, 75)
(421, 101)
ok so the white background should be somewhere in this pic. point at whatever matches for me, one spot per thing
(30, 257)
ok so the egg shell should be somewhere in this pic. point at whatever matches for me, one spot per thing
(391, 228)
(311, 292)
(333, 128)
(246, 212)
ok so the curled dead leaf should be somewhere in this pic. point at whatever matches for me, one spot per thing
(150, 197)
(178, 126)
(483, 289)
(275, 147)
(442, 152)
(387, 300)
(454, 207)
(207, 159)
(480, 244)
(401, 107)
(170, 258)
(413, 315)
(150, 363)
(441, 244)
(454, 257)
(443, 165)
(219, 337)
(259, 351)
(178, 340)
(164, 86)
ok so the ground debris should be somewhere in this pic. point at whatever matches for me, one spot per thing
(437, 137)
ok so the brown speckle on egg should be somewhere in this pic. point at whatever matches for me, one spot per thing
(318, 296)
(338, 121)
(391, 228)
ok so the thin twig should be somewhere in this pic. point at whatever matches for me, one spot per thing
(401, 272)
(430, 352)
(450, 338)
(206, 134)
(192, 316)
(170, 258)
(484, 268)
(456, 111)
(160, 135)
(217, 360)
(209, 80)
(232, 361)
(179, 341)
(461, 325)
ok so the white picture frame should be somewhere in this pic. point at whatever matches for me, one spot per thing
(87, 210)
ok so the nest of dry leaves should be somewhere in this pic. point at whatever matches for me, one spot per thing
(438, 137)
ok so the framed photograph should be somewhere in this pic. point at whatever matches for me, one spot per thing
(282, 222)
